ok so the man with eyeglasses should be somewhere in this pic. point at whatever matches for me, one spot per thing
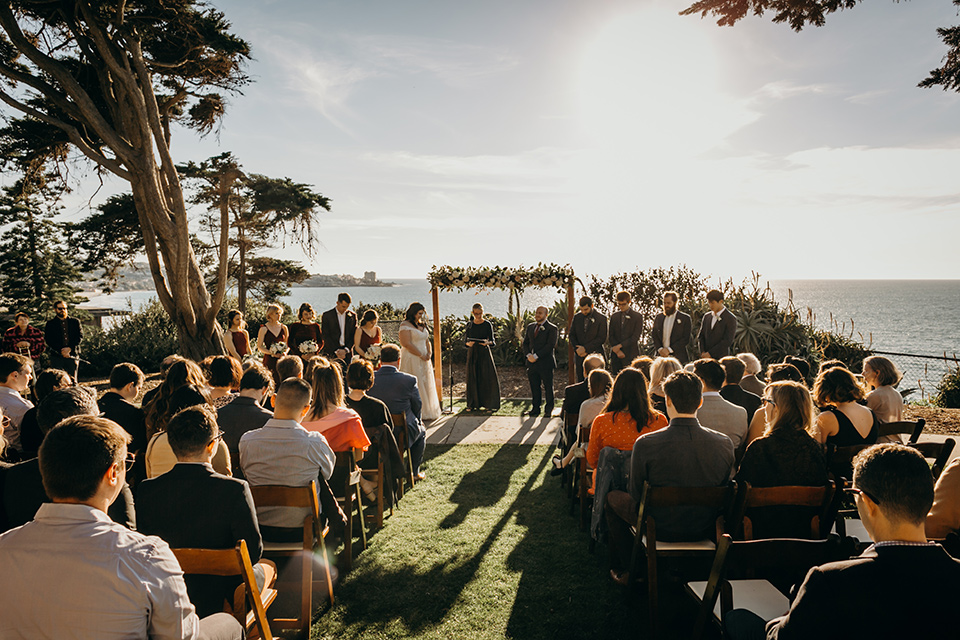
(194, 506)
(900, 587)
(63, 335)
(624, 334)
(118, 583)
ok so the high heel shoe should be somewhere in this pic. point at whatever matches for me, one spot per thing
(557, 466)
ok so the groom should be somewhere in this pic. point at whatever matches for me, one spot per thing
(539, 343)
(337, 327)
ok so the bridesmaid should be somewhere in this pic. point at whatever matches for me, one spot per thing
(368, 335)
(483, 386)
(271, 333)
(304, 330)
(237, 340)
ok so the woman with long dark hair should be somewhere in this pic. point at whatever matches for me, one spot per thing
(236, 340)
(416, 352)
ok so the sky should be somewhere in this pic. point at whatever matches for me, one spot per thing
(610, 135)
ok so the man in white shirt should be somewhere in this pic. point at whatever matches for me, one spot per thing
(15, 373)
(671, 330)
(117, 583)
(338, 326)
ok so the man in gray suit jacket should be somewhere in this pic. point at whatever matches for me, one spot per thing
(399, 392)
(715, 412)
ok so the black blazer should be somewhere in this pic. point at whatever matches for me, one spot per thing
(53, 335)
(330, 330)
(544, 345)
(888, 592)
(193, 506)
(739, 396)
(128, 416)
(589, 331)
(574, 396)
(718, 340)
(628, 335)
(679, 337)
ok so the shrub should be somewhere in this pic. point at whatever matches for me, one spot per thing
(948, 390)
(144, 338)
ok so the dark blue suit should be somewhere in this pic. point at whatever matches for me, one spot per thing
(717, 340)
(399, 392)
(542, 343)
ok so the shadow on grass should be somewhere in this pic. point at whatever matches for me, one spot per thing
(484, 487)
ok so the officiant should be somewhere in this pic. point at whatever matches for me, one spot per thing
(483, 386)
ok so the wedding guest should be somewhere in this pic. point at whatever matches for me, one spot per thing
(283, 452)
(31, 436)
(399, 392)
(802, 366)
(600, 382)
(944, 516)
(160, 457)
(273, 340)
(378, 425)
(588, 332)
(624, 334)
(305, 331)
(843, 422)
(338, 326)
(417, 350)
(223, 379)
(15, 373)
(881, 593)
(752, 367)
(881, 375)
(718, 329)
(574, 395)
(367, 335)
(627, 416)
(165, 365)
(684, 454)
(785, 455)
(23, 338)
(643, 364)
(246, 412)
(731, 391)
(181, 372)
(117, 404)
(671, 330)
(118, 583)
(539, 346)
(237, 340)
(830, 364)
(777, 372)
(483, 385)
(660, 370)
(717, 413)
(63, 335)
(328, 414)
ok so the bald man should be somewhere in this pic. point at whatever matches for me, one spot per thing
(539, 344)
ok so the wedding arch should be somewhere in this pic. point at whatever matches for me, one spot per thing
(514, 280)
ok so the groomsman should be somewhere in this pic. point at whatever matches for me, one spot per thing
(539, 344)
(717, 329)
(625, 328)
(588, 332)
(671, 330)
(337, 327)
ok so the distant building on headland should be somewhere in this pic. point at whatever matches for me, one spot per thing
(369, 279)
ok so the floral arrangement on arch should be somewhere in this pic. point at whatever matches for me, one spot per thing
(550, 276)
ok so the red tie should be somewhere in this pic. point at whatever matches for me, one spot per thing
(536, 332)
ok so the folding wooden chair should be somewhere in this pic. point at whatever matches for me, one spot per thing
(819, 500)
(250, 602)
(937, 452)
(403, 442)
(313, 538)
(584, 482)
(646, 546)
(905, 427)
(376, 475)
(569, 421)
(345, 483)
(788, 556)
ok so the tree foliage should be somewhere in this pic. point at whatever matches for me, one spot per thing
(800, 13)
(109, 78)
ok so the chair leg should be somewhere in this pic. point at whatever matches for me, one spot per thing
(363, 521)
(328, 578)
(653, 593)
(306, 596)
(348, 533)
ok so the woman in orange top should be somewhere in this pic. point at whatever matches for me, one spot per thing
(619, 425)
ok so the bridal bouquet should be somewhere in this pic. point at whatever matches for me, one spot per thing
(278, 348)
(373, 353)
(309, 346)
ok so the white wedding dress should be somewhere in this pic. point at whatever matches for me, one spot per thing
(422, 369)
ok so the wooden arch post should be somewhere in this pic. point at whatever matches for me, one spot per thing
(571, 312)
(437, 354)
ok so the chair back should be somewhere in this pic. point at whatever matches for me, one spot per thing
(840, 462)
(403, 443)
(904, 427)
(938, 452)
(818, 500)
(231, 562)
(720, 499)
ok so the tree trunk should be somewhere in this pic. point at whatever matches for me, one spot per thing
(242, 273)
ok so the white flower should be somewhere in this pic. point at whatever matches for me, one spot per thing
(309, 346)
(278, 347)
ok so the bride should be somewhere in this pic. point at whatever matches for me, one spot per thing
(416, 351)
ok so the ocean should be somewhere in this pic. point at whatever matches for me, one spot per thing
(902, 316)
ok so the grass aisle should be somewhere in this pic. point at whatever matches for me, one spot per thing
(484, 548)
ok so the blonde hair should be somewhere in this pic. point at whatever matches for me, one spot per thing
(793, 406)
(273, 306)
(660, 369)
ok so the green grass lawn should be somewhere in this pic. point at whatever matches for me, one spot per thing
(484, 548)
(508, 407)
